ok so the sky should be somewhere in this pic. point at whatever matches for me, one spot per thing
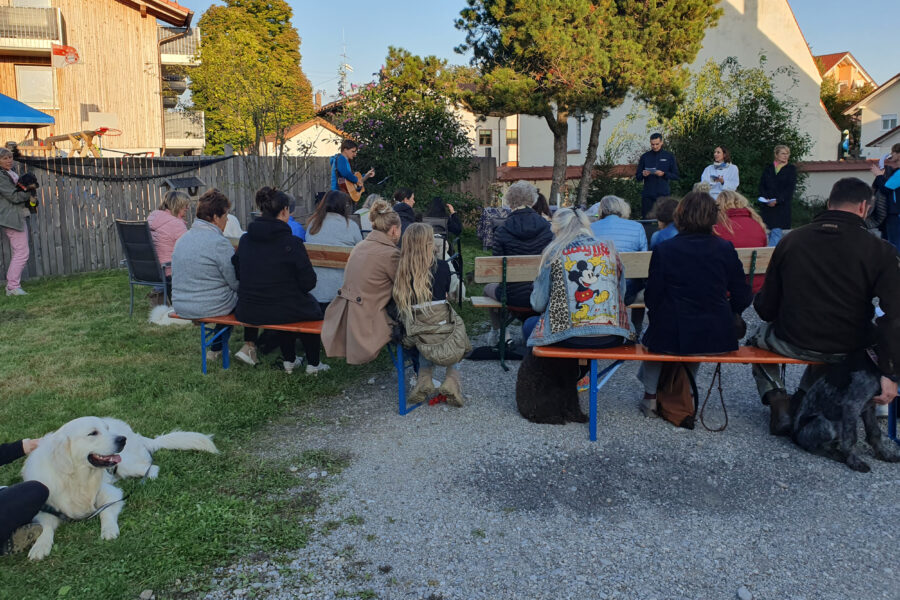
(365, 30)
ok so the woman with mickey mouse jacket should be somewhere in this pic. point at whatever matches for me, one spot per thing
(579, 290)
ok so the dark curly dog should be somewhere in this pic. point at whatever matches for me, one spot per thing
(826, 417)
(547, 390)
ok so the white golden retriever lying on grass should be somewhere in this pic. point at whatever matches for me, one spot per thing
(76, 463)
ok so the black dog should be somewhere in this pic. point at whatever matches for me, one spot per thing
(826, 417)
(547, 390)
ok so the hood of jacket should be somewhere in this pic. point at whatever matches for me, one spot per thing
(525, 223)
(266, 229)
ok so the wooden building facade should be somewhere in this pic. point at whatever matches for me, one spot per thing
(116, 84)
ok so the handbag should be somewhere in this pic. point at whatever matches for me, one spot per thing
(438, 333)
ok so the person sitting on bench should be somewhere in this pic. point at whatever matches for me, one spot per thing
(357, 325)
(166, 227)
(695, 289)
(817, 298)
(524, 233)
(276, 278)
(204, 283)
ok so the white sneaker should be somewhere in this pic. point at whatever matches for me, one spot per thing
(247, 354)
(213, 355)
(290, 366)
(881, 411)
(16, 292)
(319, 368)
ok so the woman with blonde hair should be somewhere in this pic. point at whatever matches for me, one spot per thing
(432, 326)
(739, 224)
(357, 325)
(166, 226)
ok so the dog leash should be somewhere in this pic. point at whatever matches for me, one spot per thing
(717, 375)
(64, 517)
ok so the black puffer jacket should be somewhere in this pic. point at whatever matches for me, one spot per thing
(407, 215)
(275, 276)
(525, 232)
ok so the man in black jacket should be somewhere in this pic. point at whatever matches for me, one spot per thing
(656, 169)
(405, 199)
(817, 298)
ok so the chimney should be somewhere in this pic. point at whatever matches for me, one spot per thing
(317, 104)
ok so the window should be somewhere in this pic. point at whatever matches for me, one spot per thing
(574, 138)
(512, 137)
(888, 122)
(485, 137)
(36, 86)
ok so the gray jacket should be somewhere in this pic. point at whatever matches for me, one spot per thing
(203, 280)
(335, 232)
(12, 204)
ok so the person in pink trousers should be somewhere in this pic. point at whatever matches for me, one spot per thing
(13, 210)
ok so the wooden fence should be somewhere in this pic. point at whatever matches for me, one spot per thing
(74, 229)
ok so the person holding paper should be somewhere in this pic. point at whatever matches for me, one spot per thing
(655, 169)
(776, 190)
(722, 174)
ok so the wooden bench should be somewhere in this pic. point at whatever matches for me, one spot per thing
(521, 269)
(320, 256)
(620, 354)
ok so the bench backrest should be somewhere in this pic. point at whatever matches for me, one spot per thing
(489, 269)
(335, 257)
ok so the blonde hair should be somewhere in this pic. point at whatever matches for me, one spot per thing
(779, 148)
(175, 201)
(382, 216)
(567, 225)
(413, 283)
(730, 199)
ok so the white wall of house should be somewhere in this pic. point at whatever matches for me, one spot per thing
(318, 140)
(746, 30)
(880, 114)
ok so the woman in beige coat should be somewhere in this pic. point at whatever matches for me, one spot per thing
(356, 323)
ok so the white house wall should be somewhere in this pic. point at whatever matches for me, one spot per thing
(746, 30)
(887, 102)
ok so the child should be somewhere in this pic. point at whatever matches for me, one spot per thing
(432, 326)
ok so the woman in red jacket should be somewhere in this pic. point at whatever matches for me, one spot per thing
(742, 226)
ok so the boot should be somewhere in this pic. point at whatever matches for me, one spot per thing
(781, 416)
(424, 386)
(450, 388)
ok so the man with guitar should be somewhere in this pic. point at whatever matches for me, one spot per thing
(342, 177)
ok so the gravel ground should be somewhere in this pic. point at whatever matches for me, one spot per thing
(478, 503)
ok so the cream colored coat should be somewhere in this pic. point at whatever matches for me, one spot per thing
(356, 323)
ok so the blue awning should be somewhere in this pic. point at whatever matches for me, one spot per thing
(16, 114)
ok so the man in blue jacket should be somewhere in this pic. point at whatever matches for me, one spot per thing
(340, 167)
(656, 169)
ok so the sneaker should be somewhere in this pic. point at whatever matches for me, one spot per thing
(22, 538)
(290, 366)
(319, 368)
(247, 354)
(881, 411)
(16, 292)
(213, 355)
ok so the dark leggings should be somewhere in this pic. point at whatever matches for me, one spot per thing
(287, 341)
(19, 504)
(249, 336)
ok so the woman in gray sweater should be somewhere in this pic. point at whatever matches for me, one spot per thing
(330, 225)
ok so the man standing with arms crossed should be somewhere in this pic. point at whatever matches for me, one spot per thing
(656, 169)
(817, 298)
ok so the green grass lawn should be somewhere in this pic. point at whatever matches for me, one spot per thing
(69, 349)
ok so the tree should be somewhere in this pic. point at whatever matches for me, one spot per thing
(553, 58)
(406, 126)
(739, 108)
(836, 101)
(249, 81)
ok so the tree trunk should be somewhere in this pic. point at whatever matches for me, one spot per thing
(559, 125)
(587, 170)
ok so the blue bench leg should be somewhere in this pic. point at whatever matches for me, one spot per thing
(207, 341)
(892, 419)
(605, 374)
(398, 359)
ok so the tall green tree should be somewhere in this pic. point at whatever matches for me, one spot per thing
(556, 58)
(249, 81)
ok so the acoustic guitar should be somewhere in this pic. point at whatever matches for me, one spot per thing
(354, 190)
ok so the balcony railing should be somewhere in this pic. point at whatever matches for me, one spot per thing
(182, 50)
(30, 30)
(185, 128)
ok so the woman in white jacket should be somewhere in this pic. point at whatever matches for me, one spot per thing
(721, 175)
